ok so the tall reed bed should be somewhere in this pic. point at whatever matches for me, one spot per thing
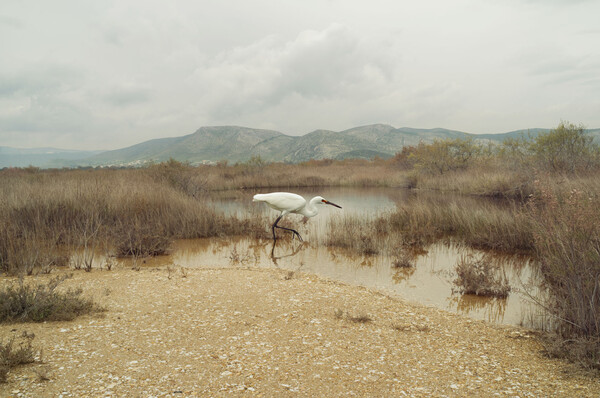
(254, 175)
(486, 180)
(480, 224)
(47, 216)
(357, 233)
(483, 225)
(566, 229)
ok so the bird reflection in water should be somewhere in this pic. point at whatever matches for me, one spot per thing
(285, 250)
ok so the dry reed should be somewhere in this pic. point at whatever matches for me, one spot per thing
(46, 214)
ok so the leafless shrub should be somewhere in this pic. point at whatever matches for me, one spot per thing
(14, 353)
(37, 302)
(360, 318)
(402, 258)
(481, 277)
(43, 373)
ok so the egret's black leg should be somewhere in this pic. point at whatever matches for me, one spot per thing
(287, 229)
(275, 226)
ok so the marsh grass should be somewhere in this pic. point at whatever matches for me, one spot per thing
(314, 173)
(484, 225)
(356, 233)
(15, 352)
(567, 240)
(22, 301)
(501, 227)
(496, 181)
(51, 216)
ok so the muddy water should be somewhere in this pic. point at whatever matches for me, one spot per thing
(429, 281)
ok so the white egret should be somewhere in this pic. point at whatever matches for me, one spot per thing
(287, 203)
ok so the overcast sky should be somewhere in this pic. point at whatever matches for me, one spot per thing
(109, 74)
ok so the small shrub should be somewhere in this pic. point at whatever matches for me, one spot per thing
(360, 318)
(27, 302)
(13, 355)
(412, 327)
(402, 259)
(584, 351)
(480, 277)
(43, 373)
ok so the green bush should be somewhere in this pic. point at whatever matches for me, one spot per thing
(442, 156)
(567, 149)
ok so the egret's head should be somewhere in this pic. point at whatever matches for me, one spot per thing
(324, 201)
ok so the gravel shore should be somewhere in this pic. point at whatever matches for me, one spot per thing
(263, 332)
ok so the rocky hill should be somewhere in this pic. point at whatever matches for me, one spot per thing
(239, 144)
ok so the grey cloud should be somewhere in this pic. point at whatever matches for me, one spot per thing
(36, 81)
(11, 22)
(47, 114)
(138, 69)
(125, 96)
(316, 65)
(555, 65)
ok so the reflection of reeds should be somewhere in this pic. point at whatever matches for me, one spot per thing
(494, 308)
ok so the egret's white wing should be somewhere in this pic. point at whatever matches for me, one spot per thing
(282, 201)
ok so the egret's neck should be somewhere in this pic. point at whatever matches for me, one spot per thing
(311, 210)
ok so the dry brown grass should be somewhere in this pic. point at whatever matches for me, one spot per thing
(48, 214)
(567, 243)
(355, 233)
(350, 172)
(484, 225)
(497, 182)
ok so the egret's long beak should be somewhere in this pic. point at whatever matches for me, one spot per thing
(331, 203)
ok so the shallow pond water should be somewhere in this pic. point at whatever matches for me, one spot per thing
(429, 281)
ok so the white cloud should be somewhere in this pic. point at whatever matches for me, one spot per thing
(88, 74)
(316, 66)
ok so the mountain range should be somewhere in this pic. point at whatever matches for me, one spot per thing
(239, 144)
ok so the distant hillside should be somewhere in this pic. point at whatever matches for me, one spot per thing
(239, 144)
(206, 144)
(41, 157)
